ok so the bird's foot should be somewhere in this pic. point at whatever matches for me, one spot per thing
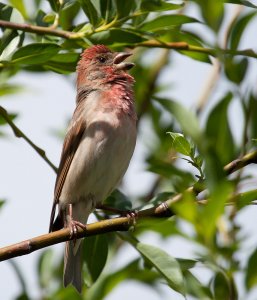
(132, 216)
(73, 225)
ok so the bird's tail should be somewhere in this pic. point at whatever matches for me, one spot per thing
(73, 264)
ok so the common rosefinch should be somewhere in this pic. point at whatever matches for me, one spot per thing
(97, 148)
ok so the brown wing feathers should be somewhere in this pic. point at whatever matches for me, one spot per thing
(70, 147)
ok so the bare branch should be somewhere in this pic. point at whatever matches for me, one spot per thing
(110, 225)
(40, 30)
(235, 165)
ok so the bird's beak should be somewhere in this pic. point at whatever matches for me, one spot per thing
(119, 61)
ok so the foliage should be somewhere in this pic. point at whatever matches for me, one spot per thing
(202, 136)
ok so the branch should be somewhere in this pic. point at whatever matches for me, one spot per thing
(151, 43)
(18, 133)
(187, 47)
(117, 224)
(235, 165)
(110, 225)
(41, 30)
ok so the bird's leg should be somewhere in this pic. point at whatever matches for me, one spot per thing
(73, 225)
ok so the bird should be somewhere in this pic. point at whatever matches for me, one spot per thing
(97, 148)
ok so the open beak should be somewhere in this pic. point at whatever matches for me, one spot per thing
(119, 61)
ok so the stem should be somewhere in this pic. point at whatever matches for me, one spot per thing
(187, 47)
(18, 133)
(41, 30)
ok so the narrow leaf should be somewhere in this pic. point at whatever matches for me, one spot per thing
(37, 53)
(165, 264)
(218, 131)
(251, 271)
(185, 118)
(180, 143)
(95, 251)
(148, 6)
(166, 22)
(90, 11)
(238, 29)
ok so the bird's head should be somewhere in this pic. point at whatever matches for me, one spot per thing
(99, 65)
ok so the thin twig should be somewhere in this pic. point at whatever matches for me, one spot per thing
(187, 47)
(18, 133)
(41, 30)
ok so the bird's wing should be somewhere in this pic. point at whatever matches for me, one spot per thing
(72, 140)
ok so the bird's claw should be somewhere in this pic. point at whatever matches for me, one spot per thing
(132, 216)
(74, 228)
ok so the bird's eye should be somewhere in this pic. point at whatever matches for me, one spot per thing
(101, 59)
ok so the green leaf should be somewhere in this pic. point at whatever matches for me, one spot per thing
(19, 5)
(180, 143)
(186, 208)
(245, 198)
(124, 8)
(37, 53)
(185, 118)
(106, 9)
(20, 276)
(165, 227)
(195, 288)
(10, 49)
(68, 13)
(118, 200)
(218, 131)
(55, 4)
(45, 268)
(212, 12)
(186, 264)
(49, 18)
(239, 28)
(132, 271)
(251, 271)
(221, 287)
(11, 14)
(63, 63)
(175, 35)
(90, 11)
(236, 70)
(2, 202)
(242, 2)
(95, 252)
(158, 5)
(168, 170)
(165, 264)
(167, 22)
(7, 89)
(116, 36)
(211, 212)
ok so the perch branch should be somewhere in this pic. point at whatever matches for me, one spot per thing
(115, 224)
